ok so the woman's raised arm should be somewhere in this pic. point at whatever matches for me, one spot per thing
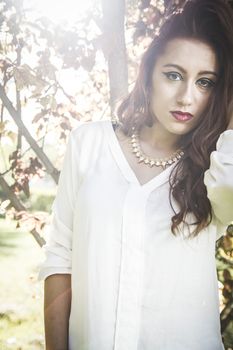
(219, 178)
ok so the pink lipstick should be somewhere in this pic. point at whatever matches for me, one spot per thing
(181, 116)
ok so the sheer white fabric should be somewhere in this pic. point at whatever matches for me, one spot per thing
(135, 286)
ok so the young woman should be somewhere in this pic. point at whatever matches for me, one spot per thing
(139, 208)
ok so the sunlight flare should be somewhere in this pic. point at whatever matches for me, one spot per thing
(62, 10)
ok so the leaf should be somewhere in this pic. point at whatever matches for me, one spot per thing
(38, 116)
(53, 103)
(4, 204)
(37, 90)
(25, 76)
(20, 83)
(3, 126)
(25, 188)
(64, 126)
(230, 230)
(12, 136)
(44, 101)
(14, 155)
(88, 62)
(227, 243)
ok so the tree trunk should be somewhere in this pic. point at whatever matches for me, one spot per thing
(115, 49)
(50, 169)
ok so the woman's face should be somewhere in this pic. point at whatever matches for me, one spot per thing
(182, 82)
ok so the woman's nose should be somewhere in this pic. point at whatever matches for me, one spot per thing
(185, 95)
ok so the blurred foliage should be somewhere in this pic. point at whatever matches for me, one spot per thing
(39, 61)
(224, 256)
(41, 202)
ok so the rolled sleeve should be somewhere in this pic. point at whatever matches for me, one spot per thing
(58, 249)
(219, 179)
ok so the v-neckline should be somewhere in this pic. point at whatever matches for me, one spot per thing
(125, 167)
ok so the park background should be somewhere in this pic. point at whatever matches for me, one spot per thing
(62, 62)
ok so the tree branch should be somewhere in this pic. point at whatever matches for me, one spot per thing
(17, 204)
(50, 169)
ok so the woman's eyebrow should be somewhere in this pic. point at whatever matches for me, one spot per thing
(208, 72)
(184, 71)
(175, 66)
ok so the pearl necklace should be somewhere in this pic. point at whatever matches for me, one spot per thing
(142, 158)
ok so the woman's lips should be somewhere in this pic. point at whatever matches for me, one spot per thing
(180, 116)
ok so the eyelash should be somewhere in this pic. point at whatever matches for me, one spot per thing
(210, 82)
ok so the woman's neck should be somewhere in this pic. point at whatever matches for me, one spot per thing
(159, 139)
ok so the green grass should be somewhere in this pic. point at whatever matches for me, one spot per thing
(21, 295)
(39, 200)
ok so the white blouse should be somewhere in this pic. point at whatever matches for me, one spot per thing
(135, 286)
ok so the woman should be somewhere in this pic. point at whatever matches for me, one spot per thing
(139, 208)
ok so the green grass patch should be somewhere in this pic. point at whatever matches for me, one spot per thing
(21, 295)
(39, 200)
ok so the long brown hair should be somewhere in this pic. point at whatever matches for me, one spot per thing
(211, 22)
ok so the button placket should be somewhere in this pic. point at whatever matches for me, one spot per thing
(131, 271)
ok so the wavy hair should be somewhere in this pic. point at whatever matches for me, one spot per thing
(210, 22)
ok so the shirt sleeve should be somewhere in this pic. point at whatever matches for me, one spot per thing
(219, 180)
(58, 249)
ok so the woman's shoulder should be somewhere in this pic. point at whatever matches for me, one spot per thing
(88, 141)
(90, 127)
(90, 131)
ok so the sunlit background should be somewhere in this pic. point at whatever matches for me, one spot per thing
(59, 11)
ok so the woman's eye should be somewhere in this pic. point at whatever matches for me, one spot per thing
(173, 76)
(206, 83)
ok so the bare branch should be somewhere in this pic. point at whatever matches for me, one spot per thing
(22, 128)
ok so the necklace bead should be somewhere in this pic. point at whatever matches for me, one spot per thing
(151, 162)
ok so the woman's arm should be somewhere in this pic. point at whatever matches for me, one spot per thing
(219, 178)
(57, 301)
(57, 267)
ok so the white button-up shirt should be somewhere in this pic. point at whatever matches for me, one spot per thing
(135, 286)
